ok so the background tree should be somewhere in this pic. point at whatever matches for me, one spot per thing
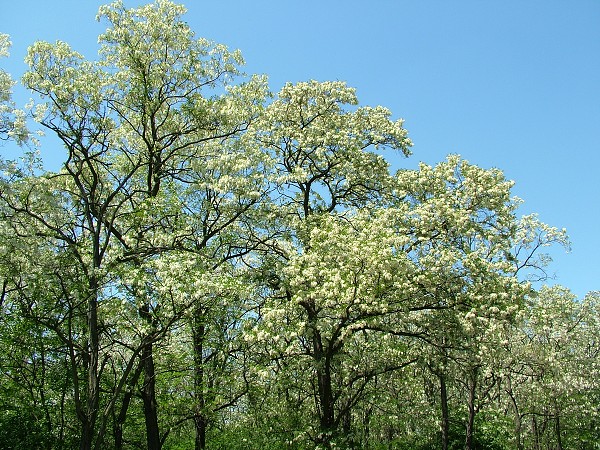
(550, 363)
(462, 219)
(12, 120)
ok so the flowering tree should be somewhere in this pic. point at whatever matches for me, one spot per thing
(462, 219)
(550, 368)
(213, 265)
(36, 361)
(468, 234)
(12, 120)
(152, 172)
(324, 164)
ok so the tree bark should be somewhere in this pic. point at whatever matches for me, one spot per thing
(325, 393)
(518, 420)
(445, 412)
(149, 399)
(87, 435)
(200, 419)
(120, 419)
(471, 420)
(148, 390)
(367, 428)
(324, 400)
(535, 433)
(90, 413)
(557, 430)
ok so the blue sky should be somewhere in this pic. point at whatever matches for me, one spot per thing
(513, 84)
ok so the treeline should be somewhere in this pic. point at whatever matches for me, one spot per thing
(218, 267)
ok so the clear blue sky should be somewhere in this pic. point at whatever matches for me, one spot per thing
(512, 84)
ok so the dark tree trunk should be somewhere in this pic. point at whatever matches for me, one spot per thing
(90, 413)
(118, 434)
(200, 418)
(149, 399)
(349, 439)
(445, 412)
(472, 410)
(87, 435)
(325, 393)
(367, 428)
(120, 419)
(518, 419)
(148, 390)
(324, 399)
(558, 432)
(535, 433)
(201, 425)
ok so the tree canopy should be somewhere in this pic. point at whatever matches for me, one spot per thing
(215, 265)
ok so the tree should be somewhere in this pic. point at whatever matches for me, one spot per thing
(469, 234)
(550, 370)
(323, 165)
(462, 218)
(146, 129)
(216, 267)
(39, 321)
(12, 120)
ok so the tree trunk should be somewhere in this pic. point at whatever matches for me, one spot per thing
(325, 395)
(472, 411)
(349, 439)
(120, 419)
(367, 428)
(42, 389)
(201, 425)
(324, 400)
(200, 419)
(518, 421)
(535, 433)
(87, 436)
(558, 432)
(518, 427)
(148, 390)
(445, 412)
(90, 413)
(149, 399)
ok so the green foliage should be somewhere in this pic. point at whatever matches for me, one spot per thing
(23, 428)
(216, 266)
